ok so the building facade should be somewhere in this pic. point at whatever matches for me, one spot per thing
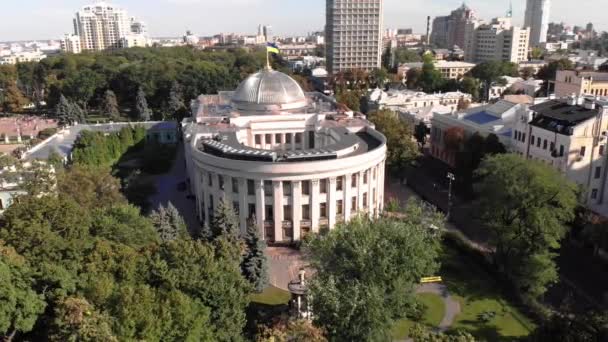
(292, 160)
(569, 134)
(450, 70)
(449, 31)
(353, 34)
(572, 82)
(497, 41)
(102, 26)
(537, 19)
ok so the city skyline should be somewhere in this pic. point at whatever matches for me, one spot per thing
(170, 18)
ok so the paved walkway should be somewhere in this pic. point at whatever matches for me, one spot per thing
(452, 306)
(284, 265)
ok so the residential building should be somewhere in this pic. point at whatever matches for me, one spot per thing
(573, 82)
(537, 20)
(451, 70)
(515, 85)
(353, 34)
(404, 100)
(497, 41)
(102, 26)
(569, 134)
(449, 31)
(71, 43)
(297, 162)
(22, 57)
(498, 119)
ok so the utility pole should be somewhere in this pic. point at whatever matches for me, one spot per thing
(452, 178)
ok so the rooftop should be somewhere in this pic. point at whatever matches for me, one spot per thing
(559, 116)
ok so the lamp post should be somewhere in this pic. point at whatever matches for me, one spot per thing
(451, 177)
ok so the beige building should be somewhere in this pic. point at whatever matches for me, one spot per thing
(497, 41)
(451, 70)
(569, 134)
(71, 43)
(353, 34)
(102, 26)
(571, 82)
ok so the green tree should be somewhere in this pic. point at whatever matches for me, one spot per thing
(420, 333)
(471, 86)
(430, 80)
(176, 105)
(68, 112)
(224, 222)
(168, 223)
(20, 305)
(109, 105)
(572, 327)
(405, 55)
(77, 320)
(413, 76)
(349, 98)
(293, 331)
(401, 146)
(255, 265)
(525, 207)
(549, 71)
(141, 111)
(366, 271)
(13, 99)
(81, 86)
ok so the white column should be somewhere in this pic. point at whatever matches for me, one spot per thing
(347, 196)
(304, 139)
(314, 205)
(205, 199)
(278, 210)
(260, 206)
(381, 188)
(296, 203)
(360, 188)
(370, 192)
(283, 142)
(243, 205)
(227, 192)
(331, 202)
(197, 192)
(263, 141)
(293, 141)
(273, 142)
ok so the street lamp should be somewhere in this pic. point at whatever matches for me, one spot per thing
(452, 178)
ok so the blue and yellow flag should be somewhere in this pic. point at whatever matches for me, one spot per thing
(272, 48)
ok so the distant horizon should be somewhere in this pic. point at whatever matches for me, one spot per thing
(171, 18)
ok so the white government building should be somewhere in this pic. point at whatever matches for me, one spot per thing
(297, 162)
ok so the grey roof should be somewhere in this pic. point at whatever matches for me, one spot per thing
(558, 116)
(269, 88)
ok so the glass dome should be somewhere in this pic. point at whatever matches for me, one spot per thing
(269, 90)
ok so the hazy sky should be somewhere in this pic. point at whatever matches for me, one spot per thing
(46, 19)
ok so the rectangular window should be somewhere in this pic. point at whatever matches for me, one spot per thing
(287, 214)
(235, 206)
(365, 177)
(258, 139)
(538, 141)
(545, 144)
(339, 207)
(552, 146)
(210, 179)
(583, 150)
(286, 188)
(305, 212)
(305, 187)
(594, 194)
(598, 172)
(365, 200)
(251, 210)
(323, 186)
(268, 191)
(221, 181)
(339, 184)
(269, 212)
(288, 138)
(323, 210)
(268, 138)
(298, 138)
(353, 181)
(353, 203)
(235, 185)
(277, 138)
(523, 138)
(250, 187)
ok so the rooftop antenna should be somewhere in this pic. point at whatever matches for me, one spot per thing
(510, 12)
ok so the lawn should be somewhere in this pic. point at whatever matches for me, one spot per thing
(480, 295)
(433, 315)
(271, 296)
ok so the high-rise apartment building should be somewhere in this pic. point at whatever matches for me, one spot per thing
(102, 26)
(497, 41)
(354, 34)
(537, 19)
(450, 30)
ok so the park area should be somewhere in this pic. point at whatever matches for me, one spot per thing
(485, 312)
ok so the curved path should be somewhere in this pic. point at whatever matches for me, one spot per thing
(452, 306)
